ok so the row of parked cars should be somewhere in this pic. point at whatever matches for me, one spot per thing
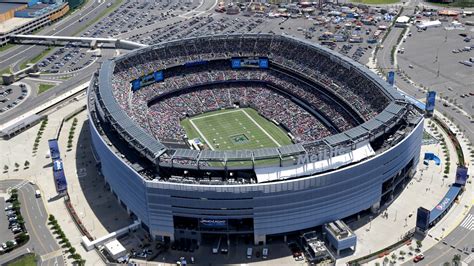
(12, 217)
(13, 225)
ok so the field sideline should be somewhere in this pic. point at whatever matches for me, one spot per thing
(235, 129)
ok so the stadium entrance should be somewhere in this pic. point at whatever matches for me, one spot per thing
(189, 231)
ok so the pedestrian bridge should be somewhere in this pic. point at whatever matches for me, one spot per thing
(62, 40)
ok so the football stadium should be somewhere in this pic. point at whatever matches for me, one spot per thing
(254, 135)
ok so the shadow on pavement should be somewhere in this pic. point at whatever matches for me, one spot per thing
(105, 206)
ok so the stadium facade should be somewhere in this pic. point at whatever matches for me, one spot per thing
(182, 193)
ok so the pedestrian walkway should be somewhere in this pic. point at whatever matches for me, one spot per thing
(468, 223)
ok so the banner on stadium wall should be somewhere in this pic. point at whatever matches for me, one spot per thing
(251, 62)
(422, 219)
(158, 75)
(391, 77)
(461, 175)
(263, 62)
(213, 223)
(235, 62)
(430, 102)
(136, 85)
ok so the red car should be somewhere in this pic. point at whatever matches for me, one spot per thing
(418, 258)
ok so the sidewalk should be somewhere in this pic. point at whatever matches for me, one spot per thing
(455, 215)
(19, 149)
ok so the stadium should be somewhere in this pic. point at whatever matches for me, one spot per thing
(248, 135)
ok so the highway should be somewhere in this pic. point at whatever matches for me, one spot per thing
(68, 26)
(34, 212)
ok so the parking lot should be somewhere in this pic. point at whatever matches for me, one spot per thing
(352, 31)
(5, 233)
(438, 66)
(11, 96)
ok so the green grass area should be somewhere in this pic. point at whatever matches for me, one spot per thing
(456, 3)
(37, 58)
(235, 129)
(44, 87)
(376, 2)
(6, 47)
(26, 260)
(5, 71)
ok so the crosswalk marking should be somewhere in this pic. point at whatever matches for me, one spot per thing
(469, 259)
(18, 186)
(468, 223)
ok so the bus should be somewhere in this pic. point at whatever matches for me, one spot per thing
(215, 248)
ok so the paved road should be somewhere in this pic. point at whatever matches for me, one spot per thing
(34, 212)
(459, 241)
(66, 27)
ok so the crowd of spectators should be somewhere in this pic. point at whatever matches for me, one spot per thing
(167, 113)
(162, 119)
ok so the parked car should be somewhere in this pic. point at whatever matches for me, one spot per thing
(418, 258)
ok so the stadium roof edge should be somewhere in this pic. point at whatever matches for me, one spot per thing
(154, 148)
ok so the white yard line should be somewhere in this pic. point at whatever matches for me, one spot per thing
(200, 133)
(264, 131)
(238, 110)
(206, 116)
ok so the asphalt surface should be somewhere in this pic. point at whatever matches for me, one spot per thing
(34, 212)
(459, 241)
(384, 62)
(66, 27)
(5, 233)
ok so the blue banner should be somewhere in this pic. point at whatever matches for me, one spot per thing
(263, 62)
(430, 101)
(54, 148)
(158, 76)
(235, 63)
(422, 219)
(136, 85)
(391, 78)
(461, 175)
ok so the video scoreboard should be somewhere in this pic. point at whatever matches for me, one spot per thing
(138, 83)
(252, 62)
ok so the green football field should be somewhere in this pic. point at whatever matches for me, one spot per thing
(235, 129)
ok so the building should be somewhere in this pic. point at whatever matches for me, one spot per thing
(175, 192)
(315, 249)
(7, 10)
(114, 249)
(428, 24)
(340, 236)
(26, 16)
(402, 21)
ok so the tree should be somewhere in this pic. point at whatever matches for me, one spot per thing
(23, 237)
(17, 165)
(456, 259)
(76, 256)
(27, 164)
(51, 218)
(5, 168)
(72, 250)
(418, 244)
